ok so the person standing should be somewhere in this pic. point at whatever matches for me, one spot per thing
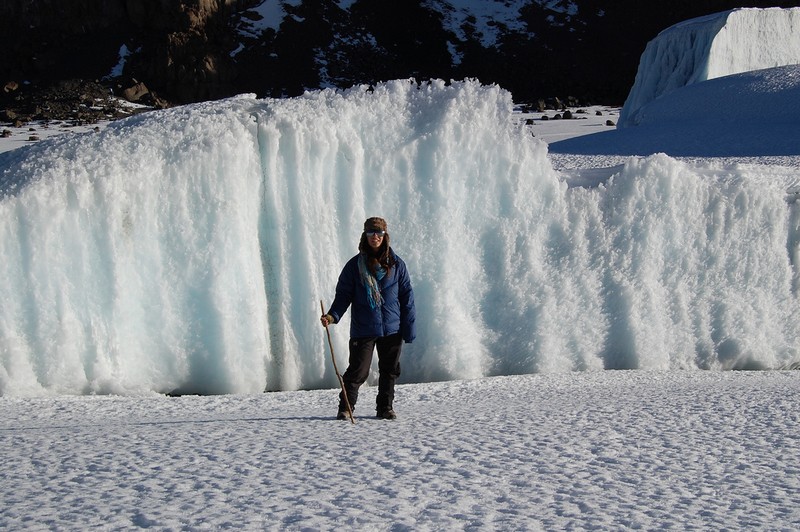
(377, 285)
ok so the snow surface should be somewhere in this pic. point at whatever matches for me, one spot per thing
(267, 14)
(710, 47)
(579, 451)
(129, 267)
(489, 18)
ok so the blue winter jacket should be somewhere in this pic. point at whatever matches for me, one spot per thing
(396, 314)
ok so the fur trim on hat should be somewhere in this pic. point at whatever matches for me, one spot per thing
(375, 224)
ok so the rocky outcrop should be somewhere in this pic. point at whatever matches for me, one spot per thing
(77, 101)
(181, 46)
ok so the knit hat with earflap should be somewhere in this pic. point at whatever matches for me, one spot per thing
(375, 224)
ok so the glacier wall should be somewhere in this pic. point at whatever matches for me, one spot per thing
(187, 250)
(710, 47)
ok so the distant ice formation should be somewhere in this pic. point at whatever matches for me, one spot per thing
(752, 114)
(710, 47)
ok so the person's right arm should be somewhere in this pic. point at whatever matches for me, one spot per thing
(345, 290)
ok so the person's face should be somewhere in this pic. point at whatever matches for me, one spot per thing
(375, 239)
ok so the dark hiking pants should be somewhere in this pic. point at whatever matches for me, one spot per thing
(361, 349)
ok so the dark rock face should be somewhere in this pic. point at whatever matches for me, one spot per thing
(177, 47)
(48, 40)
(180, 51)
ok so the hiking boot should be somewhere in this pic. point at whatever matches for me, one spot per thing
(386, 413)
(343, 414)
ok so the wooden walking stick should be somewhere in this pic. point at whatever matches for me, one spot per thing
(338, 376)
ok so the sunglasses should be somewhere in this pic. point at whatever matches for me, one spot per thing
(376, 233)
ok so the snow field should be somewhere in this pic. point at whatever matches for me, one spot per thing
(597, 450)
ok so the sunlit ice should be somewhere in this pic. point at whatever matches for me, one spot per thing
(187, 250)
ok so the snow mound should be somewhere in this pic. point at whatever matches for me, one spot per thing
(710, 47)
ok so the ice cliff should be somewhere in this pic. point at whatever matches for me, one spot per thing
(187, 250)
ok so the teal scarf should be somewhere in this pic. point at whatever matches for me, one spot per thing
(371, 282)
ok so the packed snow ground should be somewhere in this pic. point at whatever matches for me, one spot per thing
(577, 451)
